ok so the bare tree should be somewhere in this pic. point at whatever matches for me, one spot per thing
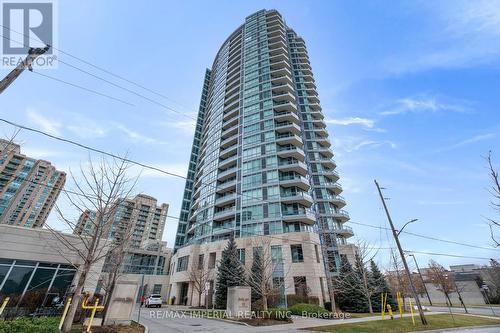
(100, 189)
(495, 201)
(490, 275)
(364, 255)
(442, 279)
(114, 261)
(200, 276)
(398, 280)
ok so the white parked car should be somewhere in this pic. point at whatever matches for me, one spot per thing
(153, 301)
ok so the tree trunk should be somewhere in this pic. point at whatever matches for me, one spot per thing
(370, 308)
(448, 297)
(264, 302)
(199, 298)
(75, 302)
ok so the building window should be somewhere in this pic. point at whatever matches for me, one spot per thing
(182, 264)
(241, 253)
(157, 288)
(297, 254)
(211, 260)
(317, 253)
(322, 288)
(201, 258)
(300, 285)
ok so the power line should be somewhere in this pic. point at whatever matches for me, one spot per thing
(263, 235)
(428, 237)
(107, 81)
(445, 255)
(209, 185)
(84, 88)
(127, 160)
(128, 90)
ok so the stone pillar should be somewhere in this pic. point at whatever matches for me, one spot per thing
(122, 303)
(239, 302)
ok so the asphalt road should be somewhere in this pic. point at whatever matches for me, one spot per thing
(477, 330)
(485, 311)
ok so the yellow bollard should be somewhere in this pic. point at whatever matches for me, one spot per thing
(385, 304)
(382, 309)
(94, 309)
(400, 304)
(411, 310)
(4, 304)
(65, 312)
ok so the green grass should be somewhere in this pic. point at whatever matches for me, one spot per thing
(30, 325)
(406, 325)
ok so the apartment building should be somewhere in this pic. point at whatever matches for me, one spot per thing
(28, 187)
(141, 216)
(261, 163)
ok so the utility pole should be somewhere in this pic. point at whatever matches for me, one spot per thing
(421, 278)
(33, 53)
(403, 258)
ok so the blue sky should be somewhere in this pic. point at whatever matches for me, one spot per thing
(409, 91)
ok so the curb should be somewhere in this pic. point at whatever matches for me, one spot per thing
(451, 329)
(222, 319)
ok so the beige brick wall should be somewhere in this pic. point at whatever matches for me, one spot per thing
(312, 266)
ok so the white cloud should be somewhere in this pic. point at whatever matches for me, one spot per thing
(138, 137)
(39, 153)
(85, 128)
(174, 168)
(462, 34)
(369, 123)
(422, 104)
(468, 141)
(87, 132)
(43, 123)
(352, 144)
(373, 144)
(440, 203)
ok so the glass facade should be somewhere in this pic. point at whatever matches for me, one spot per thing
(23, 202)
(34, 284)
(261, 161)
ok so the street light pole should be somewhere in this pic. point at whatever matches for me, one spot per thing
(421, 278)
(403, 258)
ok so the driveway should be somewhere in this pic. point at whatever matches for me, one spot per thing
(167, 320)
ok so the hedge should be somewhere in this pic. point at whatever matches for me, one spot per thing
(310, 310)
(30, 325)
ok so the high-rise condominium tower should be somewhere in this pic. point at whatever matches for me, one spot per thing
(261, 162)
(140, 218)
(28, 187)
